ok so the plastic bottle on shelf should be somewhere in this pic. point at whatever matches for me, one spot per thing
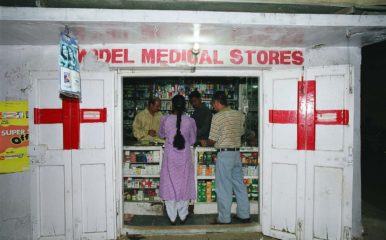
(203, 170)
(128, 196)
(199, 170)
(214, 157)
(213, 191)
(140, 195)
(245, 171)
(200, 157)
(209, 191)
(201, 194)
(208, 171)
(134, 195)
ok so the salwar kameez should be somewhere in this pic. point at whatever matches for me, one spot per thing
(177, 185)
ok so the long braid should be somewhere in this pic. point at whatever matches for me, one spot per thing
(179, 107)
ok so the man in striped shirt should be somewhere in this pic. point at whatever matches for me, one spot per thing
(225, 135)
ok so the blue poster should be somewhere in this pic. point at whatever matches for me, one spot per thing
(69, 67)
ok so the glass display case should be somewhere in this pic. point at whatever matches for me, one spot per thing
(205, 165)
(141, 167)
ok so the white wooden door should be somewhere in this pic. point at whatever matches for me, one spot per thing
(329, 168)
(72, 189)
(92, 164)
(51, 175)
(283, 166)
(307, 153)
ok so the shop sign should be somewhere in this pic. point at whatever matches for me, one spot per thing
(148, 56)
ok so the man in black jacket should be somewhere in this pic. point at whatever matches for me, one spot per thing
(202, 115)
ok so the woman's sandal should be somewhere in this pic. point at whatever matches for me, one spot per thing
(184, 221)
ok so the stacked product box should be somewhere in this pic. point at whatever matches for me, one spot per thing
(206, 191)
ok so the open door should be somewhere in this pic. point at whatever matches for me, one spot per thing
(72, 158)
(307, 153)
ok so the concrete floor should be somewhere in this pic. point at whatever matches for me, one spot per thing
(158, 228)
(374, 222)
(208, 236)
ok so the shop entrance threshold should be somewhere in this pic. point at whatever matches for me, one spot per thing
(196, 224)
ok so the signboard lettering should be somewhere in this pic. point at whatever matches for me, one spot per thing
(206, 57)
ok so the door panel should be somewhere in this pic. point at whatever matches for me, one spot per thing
(51, 196)
(329, 138)
(94, 210)
(72, 190)
(330, 87)
(54, 132)
(282, 90)
(329, 168)
(330, 94)
(93, 198)
(283, 166)
(284, 197)
(93, 97)
(47, 97)
(328, 191)
(307, 153)
(51, 204)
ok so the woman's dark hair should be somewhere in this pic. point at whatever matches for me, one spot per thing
(179, 104)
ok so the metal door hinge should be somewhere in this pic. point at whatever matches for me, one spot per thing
(350, 87)
(347, 233)
(299, 230)
(117, 207)
(115, 98)
(350, 155)
(116, 88)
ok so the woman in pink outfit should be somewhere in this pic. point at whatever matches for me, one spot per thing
(177, 185)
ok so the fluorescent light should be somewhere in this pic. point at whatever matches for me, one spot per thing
(196, 32)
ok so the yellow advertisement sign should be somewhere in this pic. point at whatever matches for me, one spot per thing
(14, 136)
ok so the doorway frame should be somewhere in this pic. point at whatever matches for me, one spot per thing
(166, 72)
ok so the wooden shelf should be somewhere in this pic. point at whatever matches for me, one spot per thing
(251, 177)
(143, 201)
(140, 188)
(205, 177)
(133, 163)
(141, 176)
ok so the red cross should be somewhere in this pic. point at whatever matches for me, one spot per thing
(70, 116)
(306, 116)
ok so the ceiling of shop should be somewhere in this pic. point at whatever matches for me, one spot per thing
(267, 6)
(46, 33)
(233, 22)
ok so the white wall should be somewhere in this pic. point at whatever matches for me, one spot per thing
(16, 64)
(17, 61)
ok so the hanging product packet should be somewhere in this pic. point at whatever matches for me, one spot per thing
(70, 85)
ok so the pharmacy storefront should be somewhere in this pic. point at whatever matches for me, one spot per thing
(296, 79)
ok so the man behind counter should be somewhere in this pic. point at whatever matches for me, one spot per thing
(201, 115)
(147, 122)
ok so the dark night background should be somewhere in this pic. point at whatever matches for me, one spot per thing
(373, 125)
